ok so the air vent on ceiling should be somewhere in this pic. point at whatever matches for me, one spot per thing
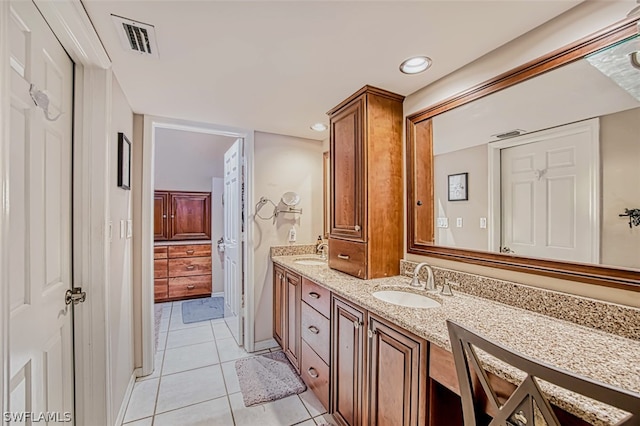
(136, 37)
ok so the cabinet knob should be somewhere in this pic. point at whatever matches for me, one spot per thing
(314, 295)
(343, 256)
(357, 227)
(164, 216)
(371, 333)
(313, 373)
(356, 324)
(314, 329)
(172, 216)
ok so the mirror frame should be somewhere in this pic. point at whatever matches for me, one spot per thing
(420, 160)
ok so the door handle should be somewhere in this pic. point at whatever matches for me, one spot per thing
(343, 256)
(314, 329)
(313, 372)
(314, 295)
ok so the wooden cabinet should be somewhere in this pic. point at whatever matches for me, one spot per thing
(293, 300)
(182, 215)
(397, 376)
(348, 362)
(182, 272)
(161, 216)
(278, 305)
(366, 184)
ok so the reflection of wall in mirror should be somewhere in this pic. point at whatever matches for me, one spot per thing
(620, 157)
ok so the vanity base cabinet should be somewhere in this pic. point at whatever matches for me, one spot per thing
(278, 305)
(397, 376)
(293, 300)
(347, 362)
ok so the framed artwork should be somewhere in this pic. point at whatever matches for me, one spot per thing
(458, 187)
(124, 162)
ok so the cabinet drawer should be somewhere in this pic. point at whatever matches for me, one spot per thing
(315, 374)
(192, 250)
(189, 266)
(318, 297)
(160, 289)
(160, 252)
(348, 257)
(190, 286)
(315, 331)
(160, 268)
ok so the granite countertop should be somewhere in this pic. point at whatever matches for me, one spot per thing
(181, 243)
(592, 353)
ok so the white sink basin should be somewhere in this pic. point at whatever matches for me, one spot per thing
(310, 262)
(403, 298)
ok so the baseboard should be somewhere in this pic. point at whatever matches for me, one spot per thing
(127, 396)
(265, 344)
(218, 294)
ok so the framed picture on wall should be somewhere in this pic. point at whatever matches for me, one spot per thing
(124, 162)
(458, 187)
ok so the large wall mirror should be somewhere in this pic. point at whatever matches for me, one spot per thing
(535, 170)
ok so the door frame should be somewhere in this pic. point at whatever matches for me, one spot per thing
(151, 123)
(495, 187)
(92, 135)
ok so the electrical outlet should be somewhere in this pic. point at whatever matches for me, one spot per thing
(459, 222)
(483, 222)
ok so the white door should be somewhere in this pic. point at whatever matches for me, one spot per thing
(233, 240)
(549, 209)
(40, 351)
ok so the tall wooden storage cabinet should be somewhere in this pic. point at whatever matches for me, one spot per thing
(182, 216)
(366, 224)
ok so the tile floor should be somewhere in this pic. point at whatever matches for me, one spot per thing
(195, 382)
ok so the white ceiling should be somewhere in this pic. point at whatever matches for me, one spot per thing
(279, 66)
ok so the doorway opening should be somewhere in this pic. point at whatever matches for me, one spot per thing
(194, 251)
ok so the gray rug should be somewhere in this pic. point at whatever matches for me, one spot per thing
(202, 309)
(267, 377)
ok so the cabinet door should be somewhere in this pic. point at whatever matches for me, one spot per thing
(347, 173)
(347, 362)
(160, 216)
(278, 305)
(190, 216)
(397, 376)
(293, 291)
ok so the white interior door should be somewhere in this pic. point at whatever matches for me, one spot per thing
(40, 359)
(233, 240)
(548, 205)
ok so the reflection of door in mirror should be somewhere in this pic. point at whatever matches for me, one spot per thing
(326, 190)
(549, 193)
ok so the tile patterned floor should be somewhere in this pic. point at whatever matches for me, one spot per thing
(195, 382)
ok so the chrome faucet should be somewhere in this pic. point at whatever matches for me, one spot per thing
(430, 284)
(322, 249)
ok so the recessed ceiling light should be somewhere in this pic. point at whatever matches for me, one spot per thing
(319, 127)
(415, 64)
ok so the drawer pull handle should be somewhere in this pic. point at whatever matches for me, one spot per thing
(191, 287)
(313, 373)
(343, 256)
(190, 267)
(314, 329)
(314, 295)
(190, 252)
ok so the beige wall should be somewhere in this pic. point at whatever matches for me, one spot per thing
(120, 291)
(282, 163)
(620, 157)
(579, 22)
(136, 192)
(473, 161)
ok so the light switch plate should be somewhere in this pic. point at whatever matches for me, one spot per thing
(129, 228)
(110, 230)
(459, 222)
(483, 222)
(443, 222)
(123, 228)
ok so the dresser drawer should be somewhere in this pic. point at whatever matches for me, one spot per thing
(160, 252)
(190, 286)
(318, 297)
(315, 374)
(160, 268)
(315, 331)
(189, 266)
(348, 257)
(160, 289)
(192, 250)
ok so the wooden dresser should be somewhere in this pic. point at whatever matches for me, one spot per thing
(182, 271)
